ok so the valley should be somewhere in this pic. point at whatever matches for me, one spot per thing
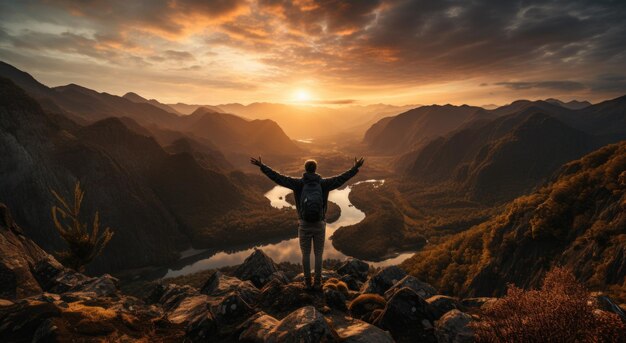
(187, 167)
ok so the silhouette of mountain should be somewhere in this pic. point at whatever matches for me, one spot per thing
(576, 221)
(412, 129)
(233, 133)
(572, 105)
(306, 121)
(157, 202)
(495, 160)
(79, 102)
(204, 154)
(183, 108)
(134, 97)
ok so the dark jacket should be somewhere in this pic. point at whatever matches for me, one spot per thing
(296, 184)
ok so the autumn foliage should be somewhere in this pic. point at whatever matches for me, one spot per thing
(560, 311)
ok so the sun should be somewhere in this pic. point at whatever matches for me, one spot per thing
(302, 95)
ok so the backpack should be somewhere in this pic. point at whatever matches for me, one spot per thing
(312, 202)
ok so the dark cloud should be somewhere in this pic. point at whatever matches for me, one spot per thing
(554, 85)
(611, 83)
(364, 42)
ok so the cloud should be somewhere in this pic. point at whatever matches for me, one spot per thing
(173, 55)
(613, 83)
(341, 44)
(554, 85)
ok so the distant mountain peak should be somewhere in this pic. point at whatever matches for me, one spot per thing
(202, 110)
(572, 105)
(132, 96)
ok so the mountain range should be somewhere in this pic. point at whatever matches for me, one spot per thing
(576, 220)
(84, 105)
(506, 152)
(309, 121)
(162, 198)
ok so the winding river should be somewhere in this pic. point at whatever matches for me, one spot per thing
(289, 249)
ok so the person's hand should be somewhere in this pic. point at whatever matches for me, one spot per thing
(358, 163)
(256, 162)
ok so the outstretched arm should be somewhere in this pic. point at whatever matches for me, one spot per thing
(337, 181)
(281, 180)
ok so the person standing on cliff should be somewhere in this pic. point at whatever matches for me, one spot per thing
(311, 195)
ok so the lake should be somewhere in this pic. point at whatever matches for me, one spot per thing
(289, 249)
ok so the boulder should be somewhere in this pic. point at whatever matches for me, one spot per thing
(355, 268)
(453, 327)
(280, 276)
(202, 328)
(219, 285)
(172, 294)
(257, 327)
(20, 321)
(305, 325)
(105, 285)
(408, 317)
(335, 299)
(188, 309)
(380, 282)
(422, 289)
(55, 278)
(230, 309)
(279, 299)
(440, 304)
(478, 303)
(363, 306)
(72, 297)
(17, 256)
(352, 330)
(46, 332)
(352, 283)
(257, 268)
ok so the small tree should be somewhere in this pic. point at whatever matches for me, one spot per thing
(83, 245)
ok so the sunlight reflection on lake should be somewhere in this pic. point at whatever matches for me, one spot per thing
(289, 250)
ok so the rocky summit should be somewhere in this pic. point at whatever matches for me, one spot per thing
(43, 301)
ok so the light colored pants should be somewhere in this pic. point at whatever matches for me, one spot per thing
(314, 233)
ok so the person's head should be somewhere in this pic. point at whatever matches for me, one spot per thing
(310, 166)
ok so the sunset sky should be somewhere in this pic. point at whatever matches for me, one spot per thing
(323, 52)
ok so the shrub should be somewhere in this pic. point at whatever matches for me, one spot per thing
(364, 305)
(337, 285)
(83, 245)
(559, 311)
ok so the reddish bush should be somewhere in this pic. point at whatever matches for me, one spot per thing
(558, 312)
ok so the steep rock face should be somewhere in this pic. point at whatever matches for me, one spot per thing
(19, 255)
(577, 221)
